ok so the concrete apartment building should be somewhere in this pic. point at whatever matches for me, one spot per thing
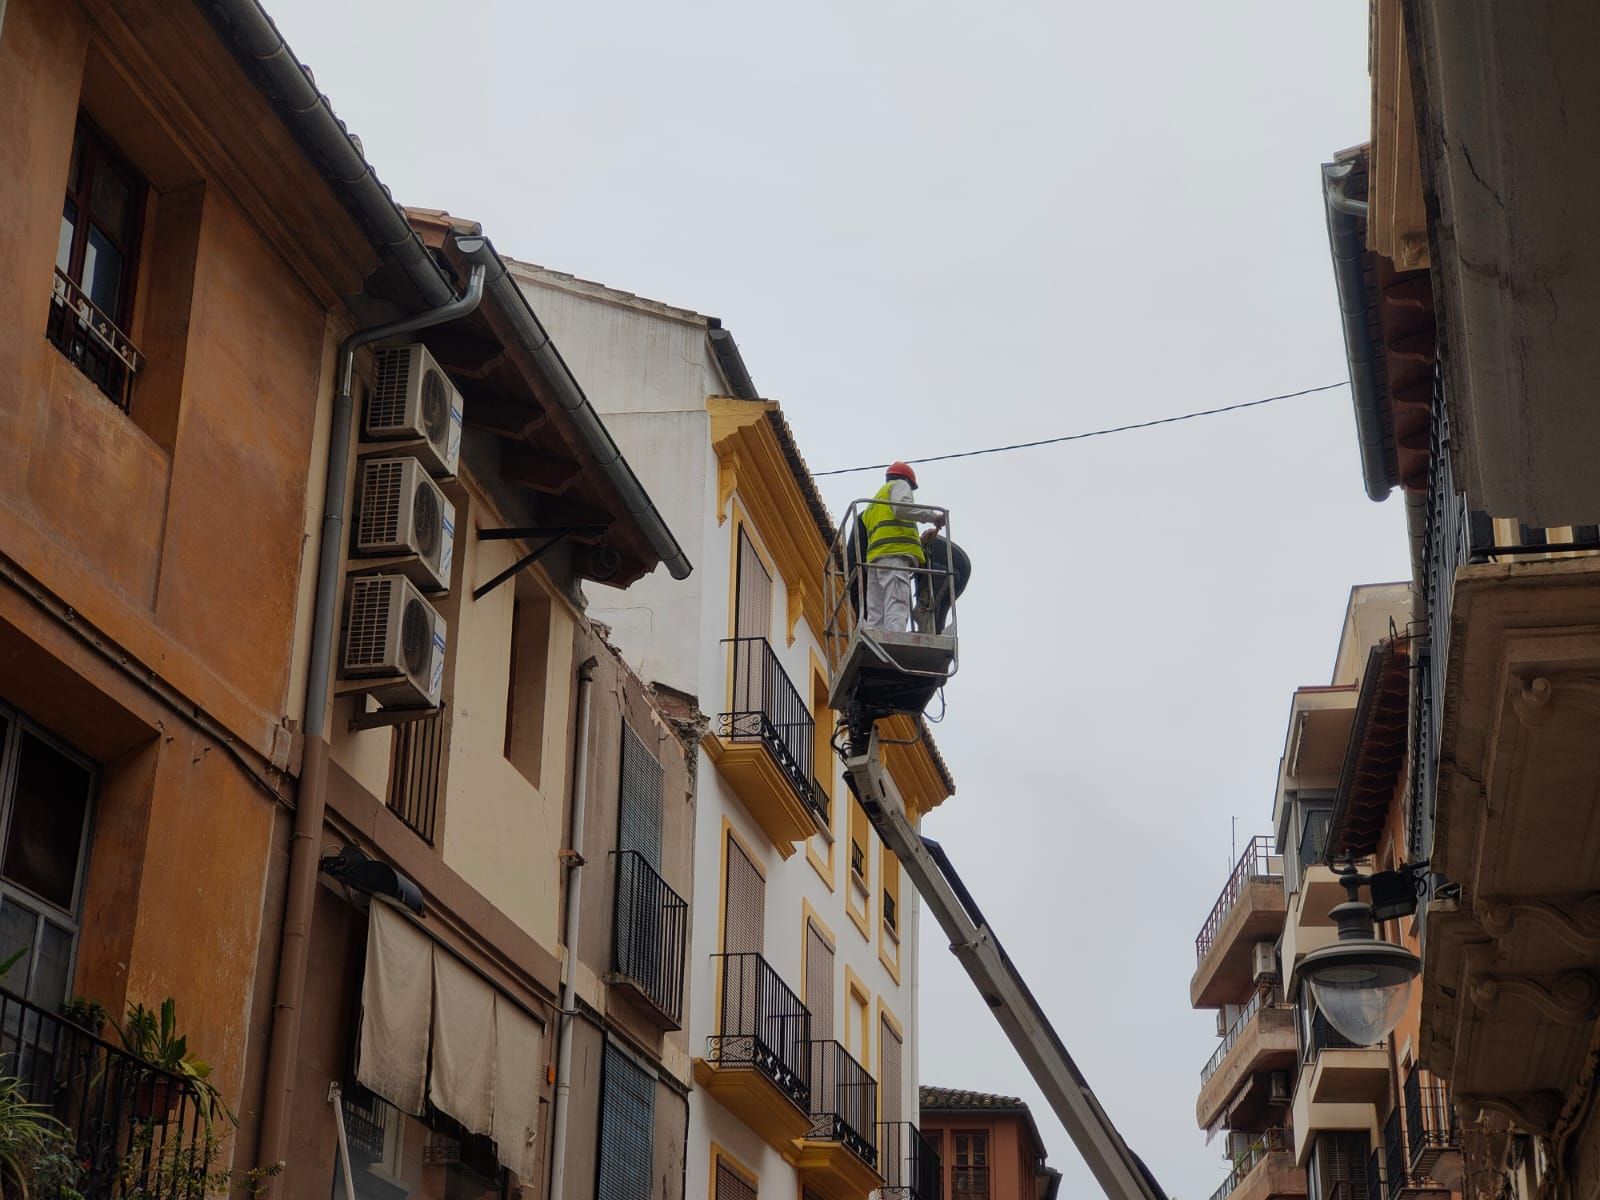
(989, 1147)
(299, 701)
(1307, 1112)
(1466, 274)
(802, 1014)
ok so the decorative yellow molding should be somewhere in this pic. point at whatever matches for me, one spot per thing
(751, 462)
(914, 771)
(764, 789)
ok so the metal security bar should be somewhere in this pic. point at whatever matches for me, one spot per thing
(844, 1101)
(1375, 1179)
(909, 1163)
(1266, 998)
(763, 1025)
(1243, 1164)
(1430, 1122)
(91, 341)
(1258, 862)
(766, 707)
(416, 766)
(136, 1132)
(651, 928)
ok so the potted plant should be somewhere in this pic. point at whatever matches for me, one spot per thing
(156, 1040)
(88, 1015)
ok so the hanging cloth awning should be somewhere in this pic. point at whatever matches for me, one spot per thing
(431, 1026)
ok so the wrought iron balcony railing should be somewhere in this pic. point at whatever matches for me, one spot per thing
(1394, 1155)
(1264, 998)
(1431, 1125)
(763, 1025)
(844, 1101)
(1323, 1036)
(91, 341)
(651, 928)
(1243, 1164)
(908, 1163)
(1258, 862)
(766, 707)
(133, 1130)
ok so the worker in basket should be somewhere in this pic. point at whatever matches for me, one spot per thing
(949, 568)
(894, 549)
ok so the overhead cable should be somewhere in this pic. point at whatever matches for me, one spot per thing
(1077, 437)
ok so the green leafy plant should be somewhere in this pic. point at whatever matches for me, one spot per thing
(156, 1040)
(86, 1014)
(36, 1151)
(181, 1170)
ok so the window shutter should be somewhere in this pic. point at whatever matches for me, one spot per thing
(754, 615)
(889, 1086)
(819, 984)
(639, 805)
(745, 919)
(627, 1127)
(733, 1186)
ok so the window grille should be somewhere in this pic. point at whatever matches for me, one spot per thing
(627, 1127)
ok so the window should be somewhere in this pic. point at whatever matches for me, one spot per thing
(627, 1127)
(891, 1051)
(45, 793)
(969, 1176)
(1338, 1168)
(416, 772)
(890, 869)
(744, 918)
(429, 1158)
(858, 845)
(819, 982)
(731, 1184)
(96, 255)
(528, 680)
(651, 920)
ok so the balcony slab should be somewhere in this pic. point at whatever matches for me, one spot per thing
(764, 790)
(833, 1172)
(1266, 1044)
(755, 1100)
(1225, 975)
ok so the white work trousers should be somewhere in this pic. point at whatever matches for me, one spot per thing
(889, 593)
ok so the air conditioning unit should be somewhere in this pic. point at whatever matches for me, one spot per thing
(400, 511)
(413, 399)
(1278, 1087)
(396, 639)
(1264, 962)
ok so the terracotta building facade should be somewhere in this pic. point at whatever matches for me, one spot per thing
(988, 1146)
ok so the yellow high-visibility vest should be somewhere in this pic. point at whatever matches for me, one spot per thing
(888, 533)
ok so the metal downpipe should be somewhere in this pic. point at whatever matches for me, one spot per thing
(569, 967)
(312, 798)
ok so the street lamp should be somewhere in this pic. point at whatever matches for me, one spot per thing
(1359, 983)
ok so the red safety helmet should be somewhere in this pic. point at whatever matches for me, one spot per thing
(899, 470)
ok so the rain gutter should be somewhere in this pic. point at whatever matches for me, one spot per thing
(1347, 219)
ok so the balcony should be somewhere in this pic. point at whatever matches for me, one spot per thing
(132, 1128)
(1237, 1076)
(1250, 909)
(837, 1159)
(1508, 1004)
(91, 341)
(910, 1164)
(1340, 1071)
(763, 746)
(1388, 1177)
(757, 1064)
(650, 931)
(1265, 1171)
(1433, 1135)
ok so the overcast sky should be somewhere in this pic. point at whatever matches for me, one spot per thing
(933, 227)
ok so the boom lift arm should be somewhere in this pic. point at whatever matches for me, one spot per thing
(1119, 1171)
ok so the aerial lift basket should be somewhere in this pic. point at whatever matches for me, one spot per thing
(877, 673)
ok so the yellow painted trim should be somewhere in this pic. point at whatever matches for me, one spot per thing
(720, 1153)
(857, 986)
(889, 868)
(826, 774)
(748, 449)
(763, 789)
(912, 767)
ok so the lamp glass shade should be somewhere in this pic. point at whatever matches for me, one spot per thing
(1361, 986)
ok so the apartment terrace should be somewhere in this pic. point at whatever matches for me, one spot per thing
(1260, 1040)
(1250, 909)
(1266, 1171)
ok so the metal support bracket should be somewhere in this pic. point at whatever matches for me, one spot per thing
(553, 535)
(385, 718)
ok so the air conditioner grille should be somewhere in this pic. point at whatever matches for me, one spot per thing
(380, 503)
(416, 637)
(386, 406)
(435, 406)
(426, 520)
(369, 623)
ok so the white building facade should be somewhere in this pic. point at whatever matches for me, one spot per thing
(802, 963)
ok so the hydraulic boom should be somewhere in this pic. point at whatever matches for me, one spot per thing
(1118, 1169)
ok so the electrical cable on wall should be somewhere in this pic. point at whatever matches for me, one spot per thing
(1077, 437)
